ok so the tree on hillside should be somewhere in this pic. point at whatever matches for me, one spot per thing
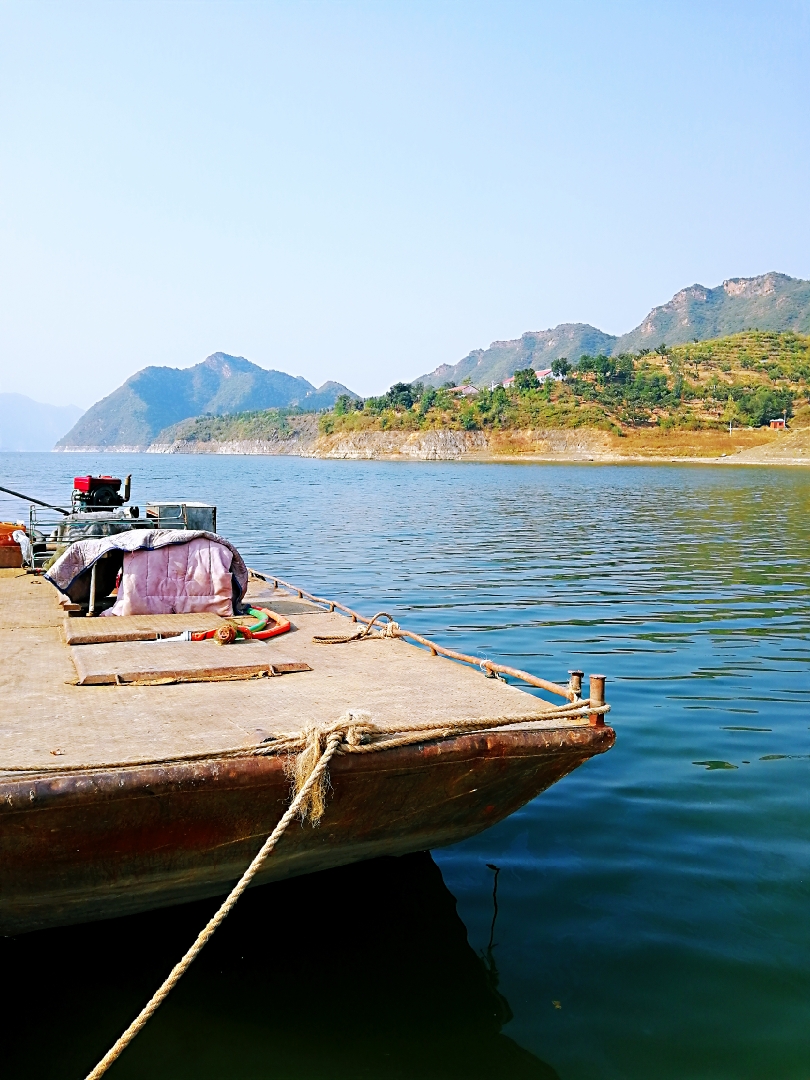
(605, 368)
(400, 396)
(526, 379)
(426, 399)
(624, 368)
(760, 406)
(560, 368)
(345, 403)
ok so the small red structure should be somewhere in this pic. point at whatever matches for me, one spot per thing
(779, 424)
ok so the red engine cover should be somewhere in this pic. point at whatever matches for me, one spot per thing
(87, 484)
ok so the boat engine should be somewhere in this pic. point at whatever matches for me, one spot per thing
(95, 493)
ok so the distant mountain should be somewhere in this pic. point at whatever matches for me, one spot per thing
(769, 302)
(537, 349)
(325, 396)
(156, 398)
(26, 424)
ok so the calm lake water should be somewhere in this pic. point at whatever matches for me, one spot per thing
(653, 908)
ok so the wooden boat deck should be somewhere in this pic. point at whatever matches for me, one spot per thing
(49, 723)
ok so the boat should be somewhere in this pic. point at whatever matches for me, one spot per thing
(138, 772)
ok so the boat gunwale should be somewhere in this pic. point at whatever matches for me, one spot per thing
(39, 790)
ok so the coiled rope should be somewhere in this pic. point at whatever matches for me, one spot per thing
(390, 630)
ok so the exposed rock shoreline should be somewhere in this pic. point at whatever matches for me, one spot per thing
(561, 445)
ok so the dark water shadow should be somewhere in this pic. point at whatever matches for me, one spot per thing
(363, 971)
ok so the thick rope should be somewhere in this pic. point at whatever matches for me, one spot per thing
(309, 798)
(366, 736)
(388, 631)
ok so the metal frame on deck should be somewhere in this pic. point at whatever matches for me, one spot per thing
(49, 536)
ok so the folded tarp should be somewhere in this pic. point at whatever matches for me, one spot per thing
(212, 567)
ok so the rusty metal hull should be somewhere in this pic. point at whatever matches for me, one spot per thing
(99, 844)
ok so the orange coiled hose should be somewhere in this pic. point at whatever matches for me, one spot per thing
(280, 626)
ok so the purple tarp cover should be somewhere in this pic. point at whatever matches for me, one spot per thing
(80, 556)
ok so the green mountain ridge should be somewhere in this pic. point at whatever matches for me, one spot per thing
(771, 301)
(156, 398)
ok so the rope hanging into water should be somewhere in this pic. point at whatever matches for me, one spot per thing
(310, 784)
(354, 732)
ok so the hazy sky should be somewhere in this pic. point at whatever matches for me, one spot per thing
(362, 191)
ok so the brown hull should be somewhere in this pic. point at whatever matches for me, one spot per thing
(107, 843)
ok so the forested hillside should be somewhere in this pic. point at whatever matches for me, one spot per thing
(265, 424)
(743, 380)
(767, 302)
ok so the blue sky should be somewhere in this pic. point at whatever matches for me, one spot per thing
(362, 191)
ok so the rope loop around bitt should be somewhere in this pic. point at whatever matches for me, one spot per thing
(390, 630)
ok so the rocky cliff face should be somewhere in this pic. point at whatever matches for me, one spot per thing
(418, 445)
(546, 444)
(572, 445)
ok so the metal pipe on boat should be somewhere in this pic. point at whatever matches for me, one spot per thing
(91, 608)
(38, 502)
(575, 682)
(489, 665)
(596, 694)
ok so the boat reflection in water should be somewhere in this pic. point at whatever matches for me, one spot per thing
(362, 971)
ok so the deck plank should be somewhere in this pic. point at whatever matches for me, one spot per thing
(152, 662)
(83, 631)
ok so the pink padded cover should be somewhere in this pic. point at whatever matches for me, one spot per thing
(175, 579)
